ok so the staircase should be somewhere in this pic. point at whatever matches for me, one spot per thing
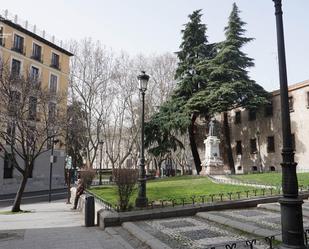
(229, 229)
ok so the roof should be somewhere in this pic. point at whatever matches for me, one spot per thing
(35, 36)
(293, 87)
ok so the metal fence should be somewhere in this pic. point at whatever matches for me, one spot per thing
(271, 241)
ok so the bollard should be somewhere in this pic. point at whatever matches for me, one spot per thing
(89, 211)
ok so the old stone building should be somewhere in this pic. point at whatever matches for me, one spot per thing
(256, 136)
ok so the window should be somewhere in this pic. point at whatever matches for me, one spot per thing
(10, 130)
(8, 166)
(270, 144)
(14, 102)
(36, 52)
(55, 61)
(1, 37)
(293, 142)
(32, 108)
(34, 73)
(254, 168)
(18, 44)
(269, 110)
(51, 112)
(252, 115)
(291, 104)
(16, 68)
(238, 148)
(53, 84)
(253, 148)
(272, 168)
(237, 117)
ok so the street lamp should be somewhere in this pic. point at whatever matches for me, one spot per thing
(68, 167)
(52, 160)
(291, 205)
(101, 152)
(258, 136)
(141, 200)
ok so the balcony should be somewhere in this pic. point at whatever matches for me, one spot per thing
(37, 57)
(20, 50)
(55, 65)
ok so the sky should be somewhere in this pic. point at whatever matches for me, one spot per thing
(153, 27)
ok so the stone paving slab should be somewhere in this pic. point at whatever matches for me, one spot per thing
(276, 207)
(54, 226)
(261, 222)
(194, 233)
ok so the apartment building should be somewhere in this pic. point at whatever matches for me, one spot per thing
(27, 50)
(256, 136)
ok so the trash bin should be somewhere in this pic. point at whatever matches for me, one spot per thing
(89, 211)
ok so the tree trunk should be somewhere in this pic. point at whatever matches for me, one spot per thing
(19, 194)
(195, 154)
(227, 142)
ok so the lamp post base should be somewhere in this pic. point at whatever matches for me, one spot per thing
(292, 223)
(141, 202)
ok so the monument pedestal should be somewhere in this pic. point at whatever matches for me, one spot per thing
(213, 164)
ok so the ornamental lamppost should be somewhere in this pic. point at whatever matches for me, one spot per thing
(291, 204)
(52, 161)
(101, 152)
(141, 200)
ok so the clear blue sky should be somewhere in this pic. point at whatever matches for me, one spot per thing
(153, 26)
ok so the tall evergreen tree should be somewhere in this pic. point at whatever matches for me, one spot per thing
(173, 117)
(194, 50)
(229, 85)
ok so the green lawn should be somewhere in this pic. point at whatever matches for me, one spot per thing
(272, 178)
(175, 188)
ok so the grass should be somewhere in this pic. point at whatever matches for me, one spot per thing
(173, 188)
(271, 178)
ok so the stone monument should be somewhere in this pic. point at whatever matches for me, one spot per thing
(213, 164)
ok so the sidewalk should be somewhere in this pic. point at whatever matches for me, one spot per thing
(53, 226)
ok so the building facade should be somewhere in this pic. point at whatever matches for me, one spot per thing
(25, 50)
(256, 136)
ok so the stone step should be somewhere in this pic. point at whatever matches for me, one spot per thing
(256, 221)
(126, 240)
(189, 232)
(129, 238)
(276, 207)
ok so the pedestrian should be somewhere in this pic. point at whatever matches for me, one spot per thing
(79, 190)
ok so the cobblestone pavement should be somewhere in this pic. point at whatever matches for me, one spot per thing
(195, 233)
(55, 226)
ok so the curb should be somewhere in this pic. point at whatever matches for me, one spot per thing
(144, 237)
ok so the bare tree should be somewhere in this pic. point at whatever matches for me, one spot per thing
(106, 86)
(91, 70)
(121, 128)
(30, 116)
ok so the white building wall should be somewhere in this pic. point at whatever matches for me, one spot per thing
(40, 176)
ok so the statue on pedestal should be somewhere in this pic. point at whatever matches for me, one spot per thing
(213, 164)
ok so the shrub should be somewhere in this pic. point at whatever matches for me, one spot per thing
(125, 180)
(87, 176)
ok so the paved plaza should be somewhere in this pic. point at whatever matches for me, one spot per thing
(55, 226)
